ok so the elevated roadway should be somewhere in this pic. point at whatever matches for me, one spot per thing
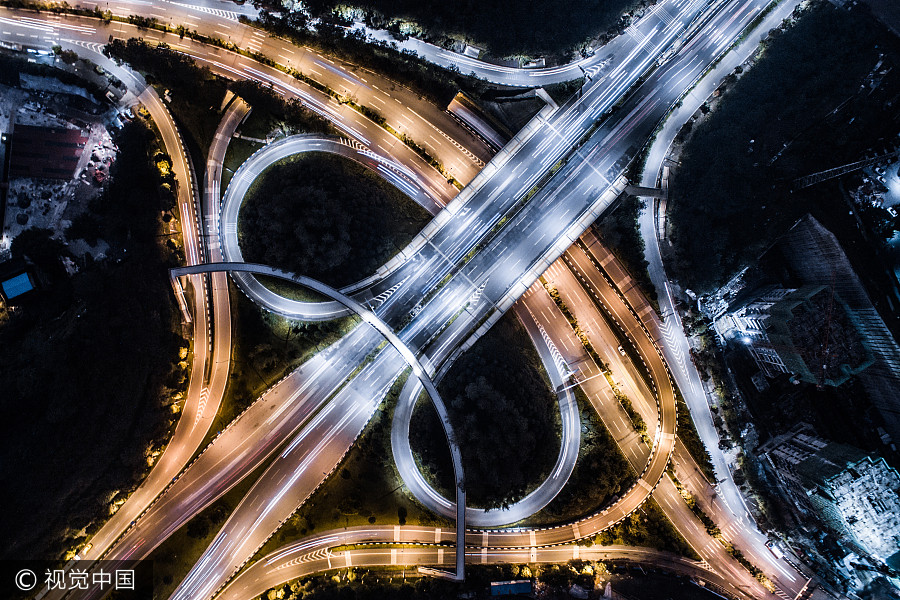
(600, 159)
(324, 553)
(680, 71)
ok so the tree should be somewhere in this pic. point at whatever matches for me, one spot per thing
(86, 227)
(38, 245)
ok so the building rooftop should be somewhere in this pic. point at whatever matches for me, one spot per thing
(855, 494)
(809, 332)
(15, 280)
(828, 462)
(46, 152)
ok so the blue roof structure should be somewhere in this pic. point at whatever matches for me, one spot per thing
(511, 588)
(16, 286)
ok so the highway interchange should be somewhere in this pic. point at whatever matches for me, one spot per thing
(481, 253)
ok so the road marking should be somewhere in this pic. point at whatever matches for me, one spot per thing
(437, 535)
(393, 556)
(348, 559)
(396, 533)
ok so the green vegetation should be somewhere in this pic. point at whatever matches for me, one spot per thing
(806, 105)
(333, 219)
(636, 420)
(91, 364)
(647, 527)
(238, 151)
(620, 231)
(396, 583)
(504, 415)
(505, 27)
(687, 435)
(365, 488)
(601, 472)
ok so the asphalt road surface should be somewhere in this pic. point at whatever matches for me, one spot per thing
(484, 241)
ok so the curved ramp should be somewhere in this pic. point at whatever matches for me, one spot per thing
(397, 175)
(352, 306)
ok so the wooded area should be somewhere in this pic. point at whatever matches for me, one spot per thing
(504, 414)
(800, 109)
(326, 217)
(620, 230)
(89, 364)
(506, 27)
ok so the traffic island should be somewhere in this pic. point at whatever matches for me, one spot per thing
(327, 216)
(505, 416)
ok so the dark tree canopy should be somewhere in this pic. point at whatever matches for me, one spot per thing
(85, 363)
(326, 217)
(801, 109)
(504, 414)
(505, 26)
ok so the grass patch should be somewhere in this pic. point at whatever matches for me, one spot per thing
(620, 231)
(601, 473)
(687, 435)
(238, 151)
(327, 217)
(290, 290)
(504, 414)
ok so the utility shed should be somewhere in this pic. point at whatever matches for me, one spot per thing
(511, 588)
(15, 280)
